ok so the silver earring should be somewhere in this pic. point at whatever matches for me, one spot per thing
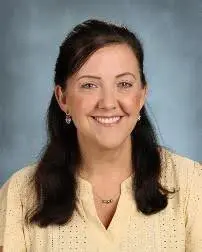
(139, 117)
(68, 118)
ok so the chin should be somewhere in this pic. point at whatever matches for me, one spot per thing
(109, 145)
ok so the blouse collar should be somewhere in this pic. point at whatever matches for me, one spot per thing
(84, 188)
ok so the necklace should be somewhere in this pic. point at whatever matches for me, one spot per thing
(107, 201)
(104, 201)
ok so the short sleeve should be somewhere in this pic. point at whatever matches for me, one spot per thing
(194, 212)
(11, 220)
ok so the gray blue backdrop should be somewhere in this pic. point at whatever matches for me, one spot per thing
(30, 34)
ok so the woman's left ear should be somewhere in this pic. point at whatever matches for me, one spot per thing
(61, 98)
(144, 96)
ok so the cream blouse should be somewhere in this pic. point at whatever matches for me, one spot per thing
(176, 228)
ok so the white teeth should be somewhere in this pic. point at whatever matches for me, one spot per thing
(107, 120)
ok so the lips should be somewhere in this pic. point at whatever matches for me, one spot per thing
(107, 120)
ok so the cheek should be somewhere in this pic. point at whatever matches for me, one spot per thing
(132, 103)
(81, 106)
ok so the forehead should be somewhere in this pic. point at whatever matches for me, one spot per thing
(111, 60)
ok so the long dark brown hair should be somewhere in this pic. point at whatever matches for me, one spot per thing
(55, 177)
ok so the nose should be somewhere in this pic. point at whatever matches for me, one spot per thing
(108, 100)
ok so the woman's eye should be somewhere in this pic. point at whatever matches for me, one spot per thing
(125, 84)
(88, 85)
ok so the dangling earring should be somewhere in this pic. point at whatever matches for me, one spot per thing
(139, 117)
(68, 118)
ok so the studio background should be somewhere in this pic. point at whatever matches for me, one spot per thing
(31, 32)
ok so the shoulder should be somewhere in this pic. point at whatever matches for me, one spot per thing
(22, 175)
(19, 182)
(178, 170)
(178, 162)
(15, 197)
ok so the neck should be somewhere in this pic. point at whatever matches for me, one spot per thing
(99, 163)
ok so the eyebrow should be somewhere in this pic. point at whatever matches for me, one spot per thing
(99, 78)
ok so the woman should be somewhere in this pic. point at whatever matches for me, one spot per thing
(103, 183)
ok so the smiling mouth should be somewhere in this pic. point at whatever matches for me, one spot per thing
(108, 121)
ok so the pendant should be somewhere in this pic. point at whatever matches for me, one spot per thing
(107, 201)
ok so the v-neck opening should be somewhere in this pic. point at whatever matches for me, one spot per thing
(85, 182)
(86, 194)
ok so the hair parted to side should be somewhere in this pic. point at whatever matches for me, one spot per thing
(55, 177)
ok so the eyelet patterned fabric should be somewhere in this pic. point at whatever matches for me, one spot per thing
(176, 228)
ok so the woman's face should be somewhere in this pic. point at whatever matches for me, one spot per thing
(105, 96)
